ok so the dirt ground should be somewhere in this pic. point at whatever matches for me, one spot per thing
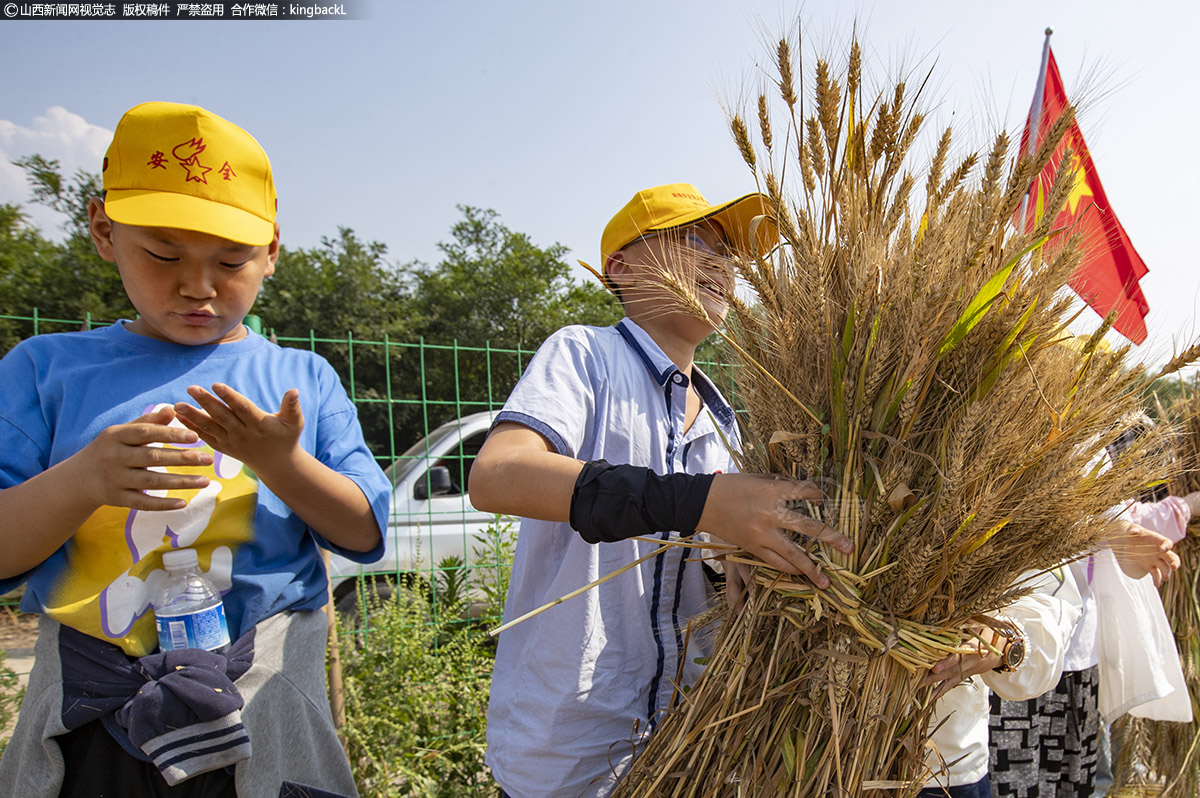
(17, 629)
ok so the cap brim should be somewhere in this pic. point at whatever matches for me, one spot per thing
(186, 212)
(737, 218)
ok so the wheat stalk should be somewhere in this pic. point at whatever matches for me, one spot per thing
(912, 360)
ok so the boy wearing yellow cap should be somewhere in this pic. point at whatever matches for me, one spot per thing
(179, 429)
(611, 440)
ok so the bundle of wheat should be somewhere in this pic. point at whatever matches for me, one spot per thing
(907, 358)
(1159, 757)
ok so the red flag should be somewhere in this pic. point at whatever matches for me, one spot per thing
(1107, 279)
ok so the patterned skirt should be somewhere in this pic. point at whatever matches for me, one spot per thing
(1047, 747)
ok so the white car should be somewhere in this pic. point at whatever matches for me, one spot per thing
(431, 517)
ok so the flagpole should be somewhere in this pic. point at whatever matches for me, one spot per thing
(1035, 112)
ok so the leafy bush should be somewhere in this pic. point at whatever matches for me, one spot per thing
(496, 546)
(450, 581)
(416, 689)
(416, 677)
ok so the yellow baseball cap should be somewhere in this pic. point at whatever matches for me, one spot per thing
(680, 205)
(172, 165)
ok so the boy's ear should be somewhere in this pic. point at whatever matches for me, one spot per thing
(272, 253)
(616, 264)
(101, 229)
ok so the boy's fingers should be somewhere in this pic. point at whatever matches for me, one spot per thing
(143, 479)
(141, 501)
(289, 408)
(160, 415)
(140, 433)
(218, 411)
(778, 561)
(199, 421)
(238, 404)
(812, 528)
(796, 561)
(189, 415)
(808, 492)
(158, 457)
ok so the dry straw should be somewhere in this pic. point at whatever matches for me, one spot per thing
(1160, 757)
(906, 353)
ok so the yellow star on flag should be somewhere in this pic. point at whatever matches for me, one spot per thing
(1081, 188)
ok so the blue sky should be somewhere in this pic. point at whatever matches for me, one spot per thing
(555, 113)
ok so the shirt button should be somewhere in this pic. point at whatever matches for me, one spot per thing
(678, 378)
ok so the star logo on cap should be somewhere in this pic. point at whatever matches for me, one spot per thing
(195, 170)
(188, 154)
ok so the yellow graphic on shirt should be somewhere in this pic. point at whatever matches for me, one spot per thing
(114, 561)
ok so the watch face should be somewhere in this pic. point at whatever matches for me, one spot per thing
(1015, 653)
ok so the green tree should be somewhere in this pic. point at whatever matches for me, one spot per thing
(24, 254)
(68, 197)
(344, 300)
(344, 285)
(1165, 392)
(492, 300)
(495, 285)
(62, 281)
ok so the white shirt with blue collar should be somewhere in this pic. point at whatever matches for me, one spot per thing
(577, 688)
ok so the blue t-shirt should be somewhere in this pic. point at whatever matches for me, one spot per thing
(58, 392)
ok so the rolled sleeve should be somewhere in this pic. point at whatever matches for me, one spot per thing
(1047, 616)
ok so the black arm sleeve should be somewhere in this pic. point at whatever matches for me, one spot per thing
(615, 502)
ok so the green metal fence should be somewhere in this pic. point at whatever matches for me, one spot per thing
(404, 391)
(425, 408)
(419, 404)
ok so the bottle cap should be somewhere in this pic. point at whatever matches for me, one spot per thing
(179, 559)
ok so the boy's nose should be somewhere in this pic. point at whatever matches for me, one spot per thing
(197, 283)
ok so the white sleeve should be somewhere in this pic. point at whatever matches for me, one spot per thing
(1047, 616)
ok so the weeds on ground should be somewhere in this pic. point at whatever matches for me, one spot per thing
(416, 683)
(10, 699)
(496, 547)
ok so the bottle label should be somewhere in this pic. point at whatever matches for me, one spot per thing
(205, 629)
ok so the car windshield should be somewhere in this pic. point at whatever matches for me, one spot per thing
(415, 454)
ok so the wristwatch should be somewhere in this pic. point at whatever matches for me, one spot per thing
(1008, 637)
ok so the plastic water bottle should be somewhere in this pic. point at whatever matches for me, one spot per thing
(188, 610)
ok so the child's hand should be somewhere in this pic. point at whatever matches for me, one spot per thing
(234, 425)
(751, 511)
(120, 459)
(737, 579)
(1141, 551)
(955, 669)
